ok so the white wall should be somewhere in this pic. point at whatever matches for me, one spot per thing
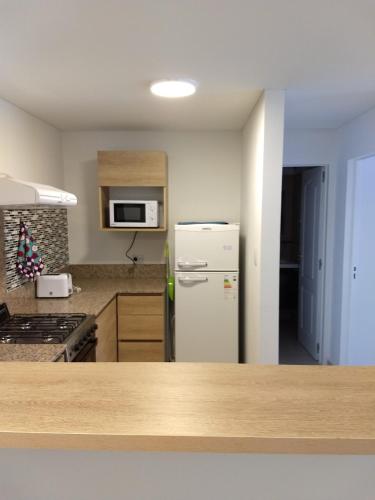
(204, 183)
(355, 139)
(333, 148)
(29, 148)
(260, 228)
(310, 147)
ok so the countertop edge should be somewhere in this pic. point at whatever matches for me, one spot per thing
(120, 294)
(196, 444)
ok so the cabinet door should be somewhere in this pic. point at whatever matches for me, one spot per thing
(141, 351)
(141, 328)
(132, 168)
(106, 350)
(143, 305)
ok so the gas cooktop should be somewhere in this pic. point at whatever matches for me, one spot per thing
(75, 330)
(35, 328)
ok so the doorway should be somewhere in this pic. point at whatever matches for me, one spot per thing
(302, 244)
(359, 276)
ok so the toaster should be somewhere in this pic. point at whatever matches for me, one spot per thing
(54, 286)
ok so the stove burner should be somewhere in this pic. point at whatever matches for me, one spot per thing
(26, 326)
(50, 340)
(63, 325)
(7, 340)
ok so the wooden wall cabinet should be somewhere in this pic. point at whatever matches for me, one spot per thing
(106, 349)
(141, 327)
(132, 169)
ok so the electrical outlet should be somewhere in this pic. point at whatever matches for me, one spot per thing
(138, 259)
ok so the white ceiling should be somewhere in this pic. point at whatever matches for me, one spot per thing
(85, 64)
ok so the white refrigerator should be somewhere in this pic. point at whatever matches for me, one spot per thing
(206, 292)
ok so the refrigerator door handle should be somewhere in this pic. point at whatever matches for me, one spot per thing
(188, 265)
(192, 279)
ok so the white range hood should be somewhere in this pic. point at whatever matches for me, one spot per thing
(18, 192)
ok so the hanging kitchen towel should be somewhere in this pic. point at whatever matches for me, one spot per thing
(29, 263)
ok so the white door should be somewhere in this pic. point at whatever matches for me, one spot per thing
(206, 321)
(207, 247)
(310, 261)
(361, 342)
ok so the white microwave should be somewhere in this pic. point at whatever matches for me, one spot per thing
(133, 213)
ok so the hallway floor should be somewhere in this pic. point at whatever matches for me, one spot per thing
(291, 352)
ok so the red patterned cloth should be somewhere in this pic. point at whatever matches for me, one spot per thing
(29, 263)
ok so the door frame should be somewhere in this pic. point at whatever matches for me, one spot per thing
(351, 179)
(322, 318)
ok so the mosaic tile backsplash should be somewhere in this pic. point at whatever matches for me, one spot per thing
(50, 230)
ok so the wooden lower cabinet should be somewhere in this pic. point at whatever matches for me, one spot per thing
(140, 305)
(141, 327)
(106, 349)
(141, 351)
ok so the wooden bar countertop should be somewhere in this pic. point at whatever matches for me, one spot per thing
(188, 407)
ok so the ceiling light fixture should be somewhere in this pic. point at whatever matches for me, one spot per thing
(173, 88)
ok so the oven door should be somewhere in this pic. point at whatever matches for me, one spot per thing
(87, 353)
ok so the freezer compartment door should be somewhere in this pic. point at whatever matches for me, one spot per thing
(206, 248)
(206, 320)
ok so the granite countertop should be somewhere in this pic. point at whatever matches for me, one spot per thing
(206, 407)
(99, 286)
(30, 352)
(95, 295)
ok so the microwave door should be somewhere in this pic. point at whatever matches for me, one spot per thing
(133, 213)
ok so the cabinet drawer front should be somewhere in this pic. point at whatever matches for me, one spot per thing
(141, 351)
(141, 328)
(140, 304)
